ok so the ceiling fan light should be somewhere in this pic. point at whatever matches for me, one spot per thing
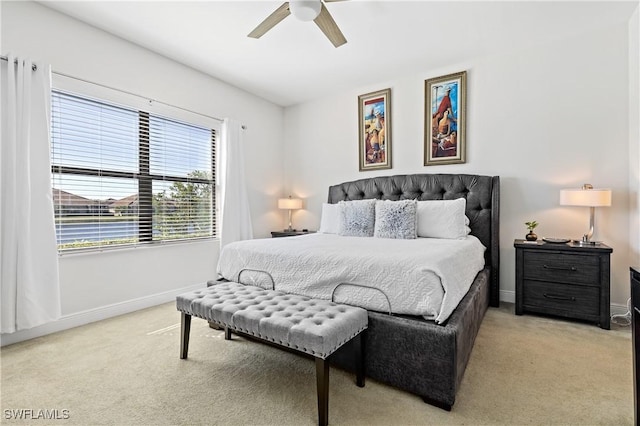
(305, 10)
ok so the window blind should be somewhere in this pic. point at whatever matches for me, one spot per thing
(122, 176)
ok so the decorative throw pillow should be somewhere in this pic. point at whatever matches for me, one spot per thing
(330, 218)
(442, 219)
(357, 218)
(396, 219)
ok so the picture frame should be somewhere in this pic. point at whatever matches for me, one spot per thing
(374, 130)
(445, 119)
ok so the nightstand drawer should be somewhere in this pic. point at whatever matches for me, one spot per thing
(559, 267)
(576, 300)
(568, 280)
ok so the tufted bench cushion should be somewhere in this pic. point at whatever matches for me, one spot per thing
(313, 326)
(316, 327)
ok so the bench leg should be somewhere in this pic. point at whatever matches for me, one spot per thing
(185, 329)
(227, 333)
(322, 379)
(360, 358)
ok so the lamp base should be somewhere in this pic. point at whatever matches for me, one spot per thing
(584, 243)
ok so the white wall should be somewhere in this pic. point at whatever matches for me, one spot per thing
(97, 285)
(543, 119)
(634, 138)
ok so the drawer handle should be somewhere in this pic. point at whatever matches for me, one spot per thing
(560, 268)
(557, 297)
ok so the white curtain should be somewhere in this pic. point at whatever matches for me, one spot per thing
(29, 284)
(236, 215)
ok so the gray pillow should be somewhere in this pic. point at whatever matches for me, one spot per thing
(396, 219)
(356, 218)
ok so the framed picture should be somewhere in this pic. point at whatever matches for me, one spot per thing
(374, 123)
(445, 119)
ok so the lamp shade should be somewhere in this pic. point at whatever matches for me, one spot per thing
(585, 197)
(290, 203)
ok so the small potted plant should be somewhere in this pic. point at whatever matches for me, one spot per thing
(531, 236)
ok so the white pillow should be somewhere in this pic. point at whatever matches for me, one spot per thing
(442, 219)
(396, 219)
(357, 218)
(329, 219)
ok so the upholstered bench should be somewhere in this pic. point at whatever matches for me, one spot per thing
(313, 326)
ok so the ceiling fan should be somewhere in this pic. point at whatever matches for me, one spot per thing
(305, 10)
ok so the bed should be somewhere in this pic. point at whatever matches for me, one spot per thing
(424, 277)
(422, 348)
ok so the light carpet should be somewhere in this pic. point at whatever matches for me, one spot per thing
(126, 371)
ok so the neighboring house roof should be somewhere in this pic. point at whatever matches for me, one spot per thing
(67, 198)
(125, 202)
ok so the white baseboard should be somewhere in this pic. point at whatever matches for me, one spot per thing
(508, 296)
(617, 309)
(92, 315)
(85, 317)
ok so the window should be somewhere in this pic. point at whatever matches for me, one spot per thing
(123, 176)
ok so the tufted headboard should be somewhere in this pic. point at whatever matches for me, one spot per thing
(483, 204)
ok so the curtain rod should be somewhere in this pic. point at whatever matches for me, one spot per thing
(4, 58)
(34, 67)
(136, 95)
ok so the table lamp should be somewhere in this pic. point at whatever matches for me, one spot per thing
(289, 204)
(586, 197)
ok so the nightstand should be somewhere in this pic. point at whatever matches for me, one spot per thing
(566, 280)
(278, 234)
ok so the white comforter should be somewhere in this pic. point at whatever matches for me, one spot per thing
(424, 276)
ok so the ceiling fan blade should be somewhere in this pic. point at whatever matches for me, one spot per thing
(329, 27)
(271, 21)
